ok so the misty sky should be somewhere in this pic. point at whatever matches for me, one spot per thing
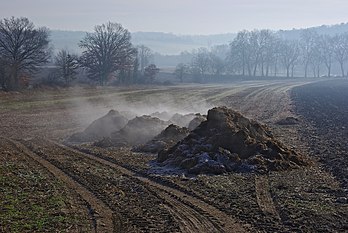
(179, 16)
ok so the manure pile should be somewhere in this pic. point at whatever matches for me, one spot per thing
(228, 142)
(224, 141)
(167, 138)
(147, 133)
(100, 128)
(138, 131)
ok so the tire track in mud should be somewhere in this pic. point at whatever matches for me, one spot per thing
(211, 219)
(264, 197)
(192, 214)
(66, 161)
(101, 215)
(267, 103)
(228, 224)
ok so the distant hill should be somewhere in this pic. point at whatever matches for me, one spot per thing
(324, 29)
(171, 44)
(160, 42)
(167, 43)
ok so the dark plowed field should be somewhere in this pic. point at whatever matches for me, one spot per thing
(325, 108)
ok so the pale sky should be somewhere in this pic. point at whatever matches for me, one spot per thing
(179, 16)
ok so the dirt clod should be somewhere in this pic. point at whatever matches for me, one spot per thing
(288, 121)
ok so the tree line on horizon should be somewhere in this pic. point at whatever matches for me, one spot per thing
(108, 54)
(263, 53)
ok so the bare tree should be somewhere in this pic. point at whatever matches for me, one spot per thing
(2, 74)
(216, 64)
(340, 49)
(253, 52)
(135, 71)
(23, 48)
(272, 57)
(237, 56)
(106, 51)
(150, 72)
(145, 56)
(289, 53)
(316, 60)
(234, 65)
(269, 52)
(128, 71)
(308, 43)
(326, 47)
(185, 57)
(180, 71)
(220, 51)
(265, 40)
(201, 61)
(218, 55)
(67, 66)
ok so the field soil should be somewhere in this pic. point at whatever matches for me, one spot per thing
(325, 107)
(49, 186)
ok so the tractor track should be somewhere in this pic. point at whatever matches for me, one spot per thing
(264, 197)
(191, 214)
(175, 192)
(177, 196)
(101, 215)
(187, 196)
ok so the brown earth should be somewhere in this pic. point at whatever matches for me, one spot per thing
(63, 188)
(100, 128)
(227, 141)
(325, 107)
(166, 139)
(137, 131)
(195, 122)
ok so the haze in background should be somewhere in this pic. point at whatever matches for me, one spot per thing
(179, 16)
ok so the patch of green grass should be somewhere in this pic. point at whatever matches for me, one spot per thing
(312, 206)
(28, 203)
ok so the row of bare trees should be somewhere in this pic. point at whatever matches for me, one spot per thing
(260, 52)
(204, 62)
(263, 53)
(107, 54)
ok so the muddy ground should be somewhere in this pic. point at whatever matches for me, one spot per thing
(51, 187)
(325, 108)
